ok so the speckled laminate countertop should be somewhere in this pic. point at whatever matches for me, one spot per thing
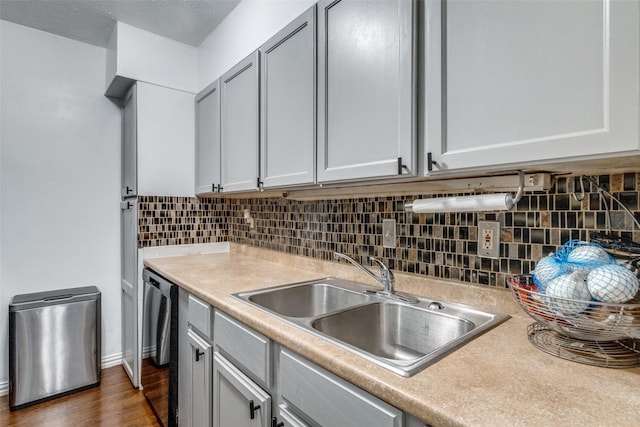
(498, 379)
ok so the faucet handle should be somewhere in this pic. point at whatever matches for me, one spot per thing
(387, 275)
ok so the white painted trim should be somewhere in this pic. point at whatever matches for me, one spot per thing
(113, 360)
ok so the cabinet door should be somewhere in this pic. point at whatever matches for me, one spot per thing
(522, 82)
(184, 360)
(165, 141)
(129, 173)
(131, 345)
(201, 362)
(238, 401)
(288, 100)
(366, 95)
(207, 162)
(239, 125)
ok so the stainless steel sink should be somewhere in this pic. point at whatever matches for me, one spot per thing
(308, 299)
(394, 331)
(404, 338)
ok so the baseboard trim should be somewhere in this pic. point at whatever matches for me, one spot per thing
(113, 360)
(107, 362)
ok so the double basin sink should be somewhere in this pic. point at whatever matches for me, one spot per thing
(400, 336)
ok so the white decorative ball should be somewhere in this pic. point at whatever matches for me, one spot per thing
(612, 283)
(585, 258)
(548, 268)
(572, 286)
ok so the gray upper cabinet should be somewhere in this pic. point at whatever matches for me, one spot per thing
(288, 99)
(366, 89)
(530, 82)
(239, 123)
(207, 166)
(129, 171)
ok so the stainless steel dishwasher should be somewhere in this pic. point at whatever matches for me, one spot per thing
(54, 344)
(159, 371)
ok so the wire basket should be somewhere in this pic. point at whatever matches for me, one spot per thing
(620, 354)
(597, 322)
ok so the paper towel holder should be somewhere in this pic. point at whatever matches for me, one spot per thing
(473, 203)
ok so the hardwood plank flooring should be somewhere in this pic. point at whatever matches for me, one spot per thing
(114, 403)
(155, 383)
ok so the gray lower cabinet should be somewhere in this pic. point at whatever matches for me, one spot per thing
(255, 382)
(366, 89)
(242, 375)
(195, 361)
(201, 363)
(322, 398)
(288, 100)
(207, 162)
(239, 123)
(238, 401)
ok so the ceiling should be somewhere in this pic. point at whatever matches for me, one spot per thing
(91, 21)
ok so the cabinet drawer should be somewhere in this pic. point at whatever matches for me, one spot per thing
(312, 391)
(250, 350)
(200, 315)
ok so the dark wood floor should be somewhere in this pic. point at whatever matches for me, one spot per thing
(113, 403)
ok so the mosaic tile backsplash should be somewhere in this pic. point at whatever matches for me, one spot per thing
(442, 245)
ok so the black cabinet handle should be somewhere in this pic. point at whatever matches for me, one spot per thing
(213, 188)
(252, 409)
(401, 166)
(275, 423)
(198, 354)
(430, 162)
(128, 189)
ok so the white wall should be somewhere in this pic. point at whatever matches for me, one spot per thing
(247, 27)
(59, 175)
(144, 56)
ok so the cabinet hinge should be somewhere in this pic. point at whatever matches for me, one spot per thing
(401, 166)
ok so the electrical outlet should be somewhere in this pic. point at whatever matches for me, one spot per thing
(489, 239)
(389, 233)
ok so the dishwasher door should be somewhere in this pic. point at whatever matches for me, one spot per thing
(159, 371)
(54, 344)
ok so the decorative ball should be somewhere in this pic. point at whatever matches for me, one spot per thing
(571, 286)
(583, 259)
(548, 268)
(612, 283)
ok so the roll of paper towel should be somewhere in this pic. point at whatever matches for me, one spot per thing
(481, 202)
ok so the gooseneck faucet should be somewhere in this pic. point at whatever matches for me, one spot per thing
(385, 278)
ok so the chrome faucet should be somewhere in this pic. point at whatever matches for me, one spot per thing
(385, 278)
